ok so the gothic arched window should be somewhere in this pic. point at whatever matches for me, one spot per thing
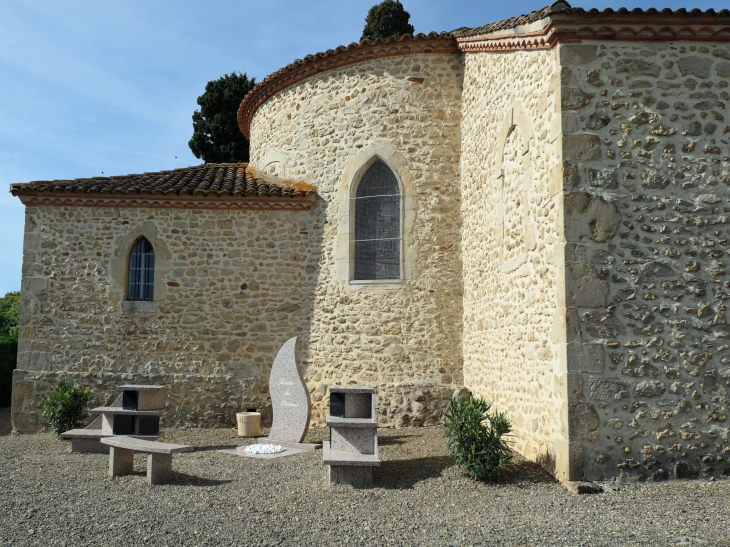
(141, 271)
(377, 225)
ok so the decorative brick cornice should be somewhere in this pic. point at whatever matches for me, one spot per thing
(562, 24)
(548, 38)
(170, 201)
(342, 56)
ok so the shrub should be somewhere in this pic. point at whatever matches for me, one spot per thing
(476, 438)
(65, 407)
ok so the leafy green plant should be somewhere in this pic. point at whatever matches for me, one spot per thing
(476, 438)
(65, 407)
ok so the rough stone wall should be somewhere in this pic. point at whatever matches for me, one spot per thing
(511, 236)
(229, 291)
(404, 339)
(646, 220)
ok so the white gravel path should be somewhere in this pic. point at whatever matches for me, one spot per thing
(52, 497)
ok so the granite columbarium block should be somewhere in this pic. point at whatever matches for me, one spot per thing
(289, 401)
(136, 412)
(352, 451)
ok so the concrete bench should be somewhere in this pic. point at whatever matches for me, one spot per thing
(159, 457)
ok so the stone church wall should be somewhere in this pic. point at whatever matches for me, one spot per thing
(646, 176)
(229, 291)
(403, 338)
(514, 332)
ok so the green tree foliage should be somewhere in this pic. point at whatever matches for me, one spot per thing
(9, 314)
(65, 407)
(216, 136)
(385, 20)
(475, 438)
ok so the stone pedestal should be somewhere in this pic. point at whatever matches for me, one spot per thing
(355, 476)
(121, 461)
(159, 468)
(136, 412)
(352, 451)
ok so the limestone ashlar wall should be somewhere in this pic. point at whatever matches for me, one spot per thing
(228, 293)
(404, 339)
(647, 215)
(511, 236)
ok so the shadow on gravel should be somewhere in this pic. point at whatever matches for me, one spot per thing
(182, 479)
(215, 447)
(524, 472)
(407, 473)
(393, 439)
(400, 474)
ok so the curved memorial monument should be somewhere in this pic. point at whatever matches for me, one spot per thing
(289, 400)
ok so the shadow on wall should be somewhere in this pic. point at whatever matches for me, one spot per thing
(293, 317)
(6, 426)
(547, 462)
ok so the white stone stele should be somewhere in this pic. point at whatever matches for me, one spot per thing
(289, 397)
(264, 449)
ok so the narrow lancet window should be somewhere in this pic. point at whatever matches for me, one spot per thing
(141, 271)
(377, 238)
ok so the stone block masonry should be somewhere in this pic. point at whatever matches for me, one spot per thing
(228, 294)
(402, 338)
(647, 170)
(232, 286)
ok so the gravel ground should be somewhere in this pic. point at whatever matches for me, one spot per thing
(53, 497)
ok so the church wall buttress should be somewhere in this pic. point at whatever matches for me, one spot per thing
(514, 326)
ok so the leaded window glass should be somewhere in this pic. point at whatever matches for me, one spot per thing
(377, 225)
(141, 271)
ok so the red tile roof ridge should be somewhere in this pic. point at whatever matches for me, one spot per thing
(217, 178)
(563, 7)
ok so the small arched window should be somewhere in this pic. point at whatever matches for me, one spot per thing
(377, 239)
(141, 271)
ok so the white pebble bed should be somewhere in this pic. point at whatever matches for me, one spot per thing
(264, 449)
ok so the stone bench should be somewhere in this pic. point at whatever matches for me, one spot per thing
(159, 457)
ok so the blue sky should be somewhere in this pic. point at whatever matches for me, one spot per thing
(92, 85)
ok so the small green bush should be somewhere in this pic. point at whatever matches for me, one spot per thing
(65, 407)
(476, 438)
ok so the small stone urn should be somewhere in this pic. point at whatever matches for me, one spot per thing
(248, 423)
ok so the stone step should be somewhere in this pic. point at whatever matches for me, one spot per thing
(140, 445)
(97, 434)
(338, 421)
(338, 457)
(122, 410)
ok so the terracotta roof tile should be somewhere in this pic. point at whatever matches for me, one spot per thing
(563, 7)
(512, 22)
(232, 179)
